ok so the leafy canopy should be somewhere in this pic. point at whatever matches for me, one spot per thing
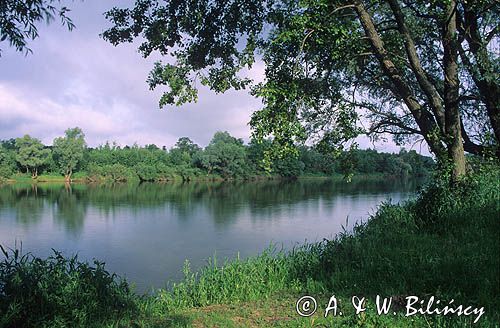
(31, 153)
(69, 150)
(334, 69)
(224, 155)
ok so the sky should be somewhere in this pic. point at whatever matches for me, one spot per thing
(78, 79)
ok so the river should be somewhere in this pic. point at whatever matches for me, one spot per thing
(145, 232)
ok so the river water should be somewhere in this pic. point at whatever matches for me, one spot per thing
(145, 232)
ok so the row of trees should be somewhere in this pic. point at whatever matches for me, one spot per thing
(225, 156)
(30, 155)
(417, 70)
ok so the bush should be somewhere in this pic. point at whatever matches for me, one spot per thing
(5, 172)
(476, 190)
(188, 173)
(59, 291)
(146, 172)
(165, 172)
(112, 172)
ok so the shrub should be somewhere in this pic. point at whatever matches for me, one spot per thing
(59, 291)
(112, 172)
(146, 172)
(439, 199)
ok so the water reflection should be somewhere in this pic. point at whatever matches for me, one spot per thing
(69, 209)
(146, 231)
(223, 200)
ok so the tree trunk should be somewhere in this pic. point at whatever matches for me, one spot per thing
(432, 94)
(424, 119)
(453, 136)
(67, 176)
(487, 87)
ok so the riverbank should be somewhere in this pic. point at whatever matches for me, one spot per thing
(444, 244)
(85, 179)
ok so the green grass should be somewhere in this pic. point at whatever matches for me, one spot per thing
(445, 243)
(45, 178)
(83, 177)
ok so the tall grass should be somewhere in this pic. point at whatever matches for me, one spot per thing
(237, 280)
(59, 292)
(445, 243)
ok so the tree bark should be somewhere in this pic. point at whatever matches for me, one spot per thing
(453, 127)
(430, 91)
(67, 176)
(423, 118)
(488, 88)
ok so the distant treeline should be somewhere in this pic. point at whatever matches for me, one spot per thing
(225, 157)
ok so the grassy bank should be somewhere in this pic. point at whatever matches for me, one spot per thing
(85, 178)
(443, 244)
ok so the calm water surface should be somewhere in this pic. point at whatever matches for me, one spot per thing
(145, 232)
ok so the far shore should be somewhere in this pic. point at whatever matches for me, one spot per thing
(83, 179)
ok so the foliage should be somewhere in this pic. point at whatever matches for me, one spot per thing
(479, 189)
(68, 151)
(7, 162)
(225, 157)
(146, 172)
(318, 162)
(184, 151)
(18, 20)
(288, 166)
(184, 144)
(59, 292)
(165, 172)
(403, 164)
(333, 66)
(31, 154)
(111, 172)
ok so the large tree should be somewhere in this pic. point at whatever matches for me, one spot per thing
(224, 155)
(418, 70)
(69, 150)
(31, 154)
(183, 151)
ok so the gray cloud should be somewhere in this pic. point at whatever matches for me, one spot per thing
(77, 79)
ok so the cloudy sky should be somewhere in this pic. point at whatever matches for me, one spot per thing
(77, 79)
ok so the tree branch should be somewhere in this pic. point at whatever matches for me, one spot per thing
(429, 89)
(418, 13)
(375, 128)
(492, 34)
(488, 88)
(423, 118)
(390, 118)
(470, 146)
